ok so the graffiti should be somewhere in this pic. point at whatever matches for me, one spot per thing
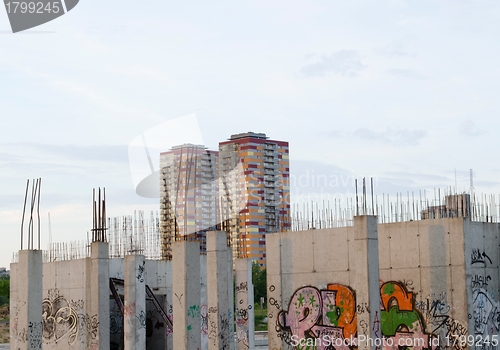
(478, 257)
(204, 320)
(129, 310)
(399, 318)
(115, 323)
(52, 294)
(243, 337)
(272, 288)
(92, 323)
(194, 311)
(362, 308)
(242, 287)
(35, 331)
(364, 327)
(224, 332)
(179, 298)
(315, 314)
(485, 309)
(212, 324)
(142, 319)
(333, 312)
(409, 284)
(140, 271)
(436, 304)
(479, 281)
(275, 303)
(242, 314)
(77, 305)
(59, 319)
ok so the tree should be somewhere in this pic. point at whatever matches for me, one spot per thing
(259, 277)
(4, 290)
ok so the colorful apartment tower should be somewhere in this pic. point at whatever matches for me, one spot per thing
(188, 195)
(254, 190)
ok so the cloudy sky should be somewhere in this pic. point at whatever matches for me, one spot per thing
(404, 91)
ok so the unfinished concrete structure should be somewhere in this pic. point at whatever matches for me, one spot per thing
(130, 302)
(438, 280)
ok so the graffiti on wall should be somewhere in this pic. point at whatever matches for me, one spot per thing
(315, 314)
(400, 319)
(486, 317)
(59, 318)
(486, 309)
(333, 312)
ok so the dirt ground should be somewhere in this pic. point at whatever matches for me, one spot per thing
(4, 326)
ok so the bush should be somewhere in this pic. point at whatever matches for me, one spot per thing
(259, 278)
(5, 287)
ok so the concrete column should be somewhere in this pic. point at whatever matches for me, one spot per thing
(26, 302)
(203, 302)
(230, 297)
(217, 291)
(134, 320)
(97, 296)
(245, 324)
(366, 280)
(186, 295)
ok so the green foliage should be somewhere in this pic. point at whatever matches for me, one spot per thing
(259, 277)
(3, 300)
(4, 289)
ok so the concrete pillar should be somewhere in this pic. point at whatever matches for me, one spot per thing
(217, 291)
(245, 324)
(97, 295)
(366, 280)
(230, 297)
(186, 295)
(26, 304)
(203, 302)
(134, 320)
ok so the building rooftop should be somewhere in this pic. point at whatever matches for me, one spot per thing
(249, 134)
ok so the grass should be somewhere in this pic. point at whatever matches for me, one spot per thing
(259, 317)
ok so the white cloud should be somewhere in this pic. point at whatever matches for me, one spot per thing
(345, 63)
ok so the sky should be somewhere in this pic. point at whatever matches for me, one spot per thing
(405, 92)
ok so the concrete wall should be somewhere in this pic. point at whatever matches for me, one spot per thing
(303, 265)
(482, 258)
(441, 274)
(65, 322)
(427, 258)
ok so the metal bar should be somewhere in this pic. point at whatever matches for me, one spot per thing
(24, 210)
(162, 312)
(116, 296)
(38, 211)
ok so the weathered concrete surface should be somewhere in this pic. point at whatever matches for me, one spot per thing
(203, 302)
(186, 295)
(442, 273)
(482, 282)
(97, 305)
(245, 321)
(134, 321)
(217, 291)
(296, 260)
(26, 301)
(230, 296)
(366, 276)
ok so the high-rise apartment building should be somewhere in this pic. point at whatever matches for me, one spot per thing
(188, 195)
(255, 200)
